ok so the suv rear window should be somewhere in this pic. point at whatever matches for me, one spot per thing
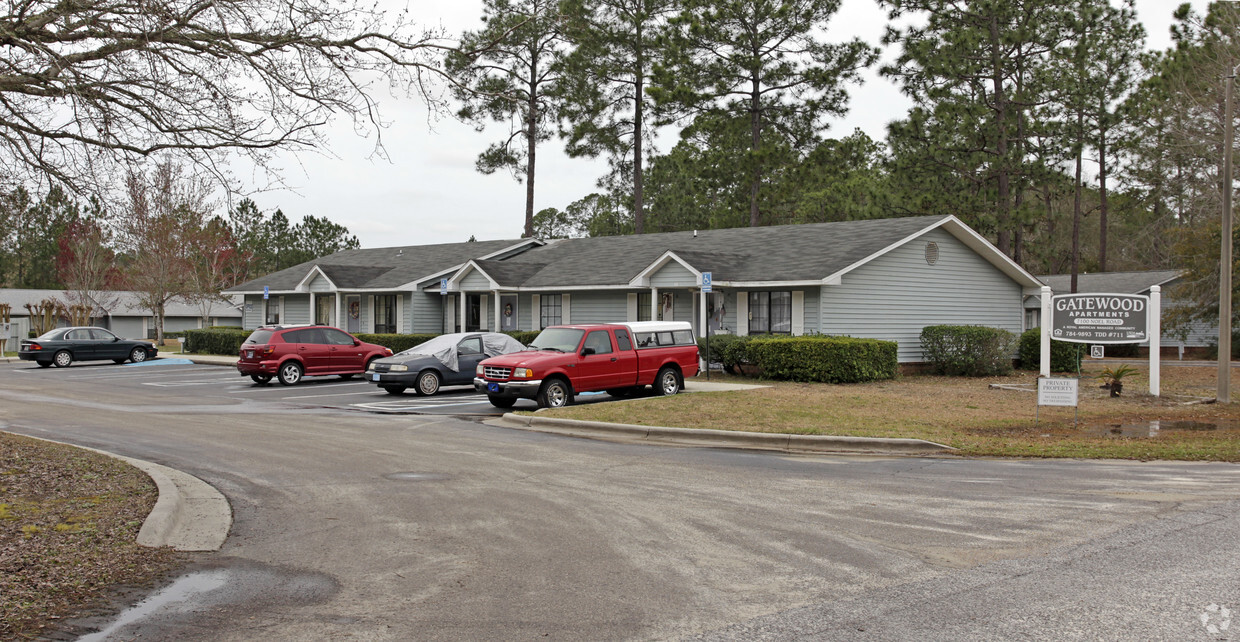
(259, 336)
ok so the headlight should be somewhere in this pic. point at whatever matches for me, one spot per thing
(400, 367)
(523, 373)
(479, 371)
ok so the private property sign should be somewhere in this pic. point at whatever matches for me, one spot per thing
(1100, 318)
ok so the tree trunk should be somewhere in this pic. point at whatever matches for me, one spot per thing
(1002, 211)
(531, 146)
(639, 104)
(755, 141)
(1076, 202)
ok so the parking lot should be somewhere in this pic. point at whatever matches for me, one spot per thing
(211, 382)
(216, 382)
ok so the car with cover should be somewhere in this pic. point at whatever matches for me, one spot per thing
(446, 360)
(291, 352)
(62, 346)
(566, 360)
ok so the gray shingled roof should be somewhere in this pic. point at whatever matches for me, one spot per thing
(388, 267)
(1117, 282)
(118, 303)
(784, 252)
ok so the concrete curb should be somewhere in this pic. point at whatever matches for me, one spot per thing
(721, 438)
(190, 514)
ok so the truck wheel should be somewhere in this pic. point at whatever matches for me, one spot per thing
(554, 394)
(668, 382)
(501, 402)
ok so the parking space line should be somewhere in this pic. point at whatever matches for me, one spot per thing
(338, 394)
(173, 384)
(273, 388)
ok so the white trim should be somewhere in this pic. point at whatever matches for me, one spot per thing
(630, 313)
(798, 313)
(742, 313)
(565, 309)
(484, 322)
(642, 279)
(368, 320)
(304, 284)
(535, 312)
(400, 309)
(498, 309)
(454, 282)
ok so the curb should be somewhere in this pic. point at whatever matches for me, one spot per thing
(190, 514)
(721, 438)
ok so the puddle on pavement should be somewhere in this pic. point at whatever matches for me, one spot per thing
(183, 589)
(1149, 429)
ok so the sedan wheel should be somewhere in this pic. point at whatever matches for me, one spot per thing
(62, 359)
(428, 383)
(290, 373)
(137, 355)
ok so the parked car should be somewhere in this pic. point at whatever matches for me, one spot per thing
(446, 360)
(63, 346)
(565, 360)
(289, 353)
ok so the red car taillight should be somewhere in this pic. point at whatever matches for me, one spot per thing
(268, 351)
(35, 346)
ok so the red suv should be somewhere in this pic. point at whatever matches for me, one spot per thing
(292, 352)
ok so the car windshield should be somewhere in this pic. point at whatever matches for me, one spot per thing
(562, 339)
(52, 334)
(259, 336)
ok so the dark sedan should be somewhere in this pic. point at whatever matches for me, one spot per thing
(446, 360)
(63, 346)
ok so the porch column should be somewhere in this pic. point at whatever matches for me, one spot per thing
(496, 326)
(461, 317)
(314, 313)
(654, 304)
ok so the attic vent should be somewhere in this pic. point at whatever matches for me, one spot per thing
(932, 253)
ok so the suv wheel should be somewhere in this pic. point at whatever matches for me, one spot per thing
(290, 373)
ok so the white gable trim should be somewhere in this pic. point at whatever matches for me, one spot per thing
(454, 283)
(962, 233)
(304, 284)
(642, 280)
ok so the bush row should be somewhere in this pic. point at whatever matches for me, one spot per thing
(967, 350)
(1065, 357)
(809, 358)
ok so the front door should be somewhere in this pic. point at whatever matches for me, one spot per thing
(473, 312)
(508, 313)
(353, 310)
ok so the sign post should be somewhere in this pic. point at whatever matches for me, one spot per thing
(707, 287)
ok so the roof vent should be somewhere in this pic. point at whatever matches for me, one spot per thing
(932, 253)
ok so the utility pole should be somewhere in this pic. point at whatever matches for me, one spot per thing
(1224, 277)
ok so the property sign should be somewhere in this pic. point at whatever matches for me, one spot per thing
(1057, 391)
(1100, 318)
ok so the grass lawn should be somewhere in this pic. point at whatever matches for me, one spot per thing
(969, 414)
(69, 519)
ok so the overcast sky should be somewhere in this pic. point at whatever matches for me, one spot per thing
(429, 191)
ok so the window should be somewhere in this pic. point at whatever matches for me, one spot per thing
(551, 310)
(622, 340)
(337, 338)
(599, 341)
(770, 312)
(643, 306)
(472, 345)
(385, 314)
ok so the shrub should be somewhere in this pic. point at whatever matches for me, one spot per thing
(396, 342)
(727, 349)
(215, 341)
(967, 350)
(821, 359)
(1065, 356)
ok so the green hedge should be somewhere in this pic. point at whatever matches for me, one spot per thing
(727, 349)
(820, 358)
(215, 341)
(967, 350)
(1065, 357)
(397, 342)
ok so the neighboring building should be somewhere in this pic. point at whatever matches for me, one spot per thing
(1198, 336)
(121, 312)
(884, 279)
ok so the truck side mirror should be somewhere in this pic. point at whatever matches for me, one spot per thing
(585, 352)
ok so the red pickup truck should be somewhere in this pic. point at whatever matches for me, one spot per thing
(569, 359)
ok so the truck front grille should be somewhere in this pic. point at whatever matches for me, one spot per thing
(497, 372)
